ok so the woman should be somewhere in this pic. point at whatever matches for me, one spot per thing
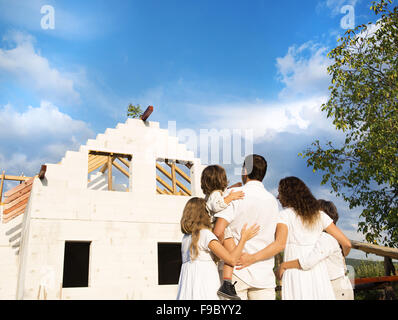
(327, 248)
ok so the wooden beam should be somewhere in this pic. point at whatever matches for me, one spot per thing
(164, 171)
(1, 186)
(184, 188)
(103, 153)
(147, 113)
(110, 173)
(121, 169)
(164, 184)
(19, 187)
(174, 179)
(19, 193)
(160, 191)
(16, 206)
(97, 165)
(375, 249)
(14, 214)
(183, 174)
(125, 162)
(188, 165)
(16, 178)
(105, 167)
(16, 201)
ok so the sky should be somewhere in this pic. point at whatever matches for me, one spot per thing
(224, 65)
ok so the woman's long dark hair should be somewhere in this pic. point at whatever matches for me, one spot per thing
(293, 193)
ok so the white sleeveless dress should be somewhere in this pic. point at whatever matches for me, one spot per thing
(313, 284)
(199, 279)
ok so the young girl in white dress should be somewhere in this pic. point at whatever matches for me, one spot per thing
(199, 278)
(305, 223)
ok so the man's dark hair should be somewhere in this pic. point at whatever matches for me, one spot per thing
(256, 167)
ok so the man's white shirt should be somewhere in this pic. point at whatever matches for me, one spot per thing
(261, 207)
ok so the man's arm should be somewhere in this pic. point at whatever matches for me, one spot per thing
(268, 252)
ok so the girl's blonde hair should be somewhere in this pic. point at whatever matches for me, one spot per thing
(194, 219)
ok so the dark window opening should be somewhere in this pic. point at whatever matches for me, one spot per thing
(169, 263)
(76, 264)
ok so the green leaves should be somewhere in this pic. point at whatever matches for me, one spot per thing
(363, 104)
(134, 111)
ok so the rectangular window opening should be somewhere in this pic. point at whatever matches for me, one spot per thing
(169, 263)
(173, 177)
(108, 171)
(76, 264)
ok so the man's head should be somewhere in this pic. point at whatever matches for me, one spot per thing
(254, 168)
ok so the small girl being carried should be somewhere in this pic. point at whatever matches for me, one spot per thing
(218, 197)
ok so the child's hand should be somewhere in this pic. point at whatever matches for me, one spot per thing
(247, 234)
(236, 195)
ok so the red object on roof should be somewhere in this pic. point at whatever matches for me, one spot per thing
(146, 113)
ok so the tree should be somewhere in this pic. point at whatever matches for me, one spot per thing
(134, 111)
(363, 103)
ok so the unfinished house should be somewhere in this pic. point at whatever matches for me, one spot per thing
(103, 223)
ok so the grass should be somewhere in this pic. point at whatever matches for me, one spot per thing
(368, 269)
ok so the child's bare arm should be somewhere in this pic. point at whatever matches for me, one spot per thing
(219, 228)
(234, 195)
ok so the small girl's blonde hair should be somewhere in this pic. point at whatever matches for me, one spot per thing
(195, 218)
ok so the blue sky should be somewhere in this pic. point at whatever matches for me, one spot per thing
(204, 64)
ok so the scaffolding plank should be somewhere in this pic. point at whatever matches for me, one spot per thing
(16, 206)
(18, 194)
(19, 187)
(17, 200)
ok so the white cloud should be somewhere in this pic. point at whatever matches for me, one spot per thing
(24, 64)
(37, 136)
(268, 119)
(303, 70)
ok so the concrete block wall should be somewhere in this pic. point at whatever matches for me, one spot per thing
(124, 227)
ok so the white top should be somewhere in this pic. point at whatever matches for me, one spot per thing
(312, 284)
(215, 201)
(327, 248)
(205, 236)
(199, 279)
(261, 207)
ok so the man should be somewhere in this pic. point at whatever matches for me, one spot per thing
(256, 282)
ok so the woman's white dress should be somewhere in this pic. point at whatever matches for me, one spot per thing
(313, 284)
(199, 279)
